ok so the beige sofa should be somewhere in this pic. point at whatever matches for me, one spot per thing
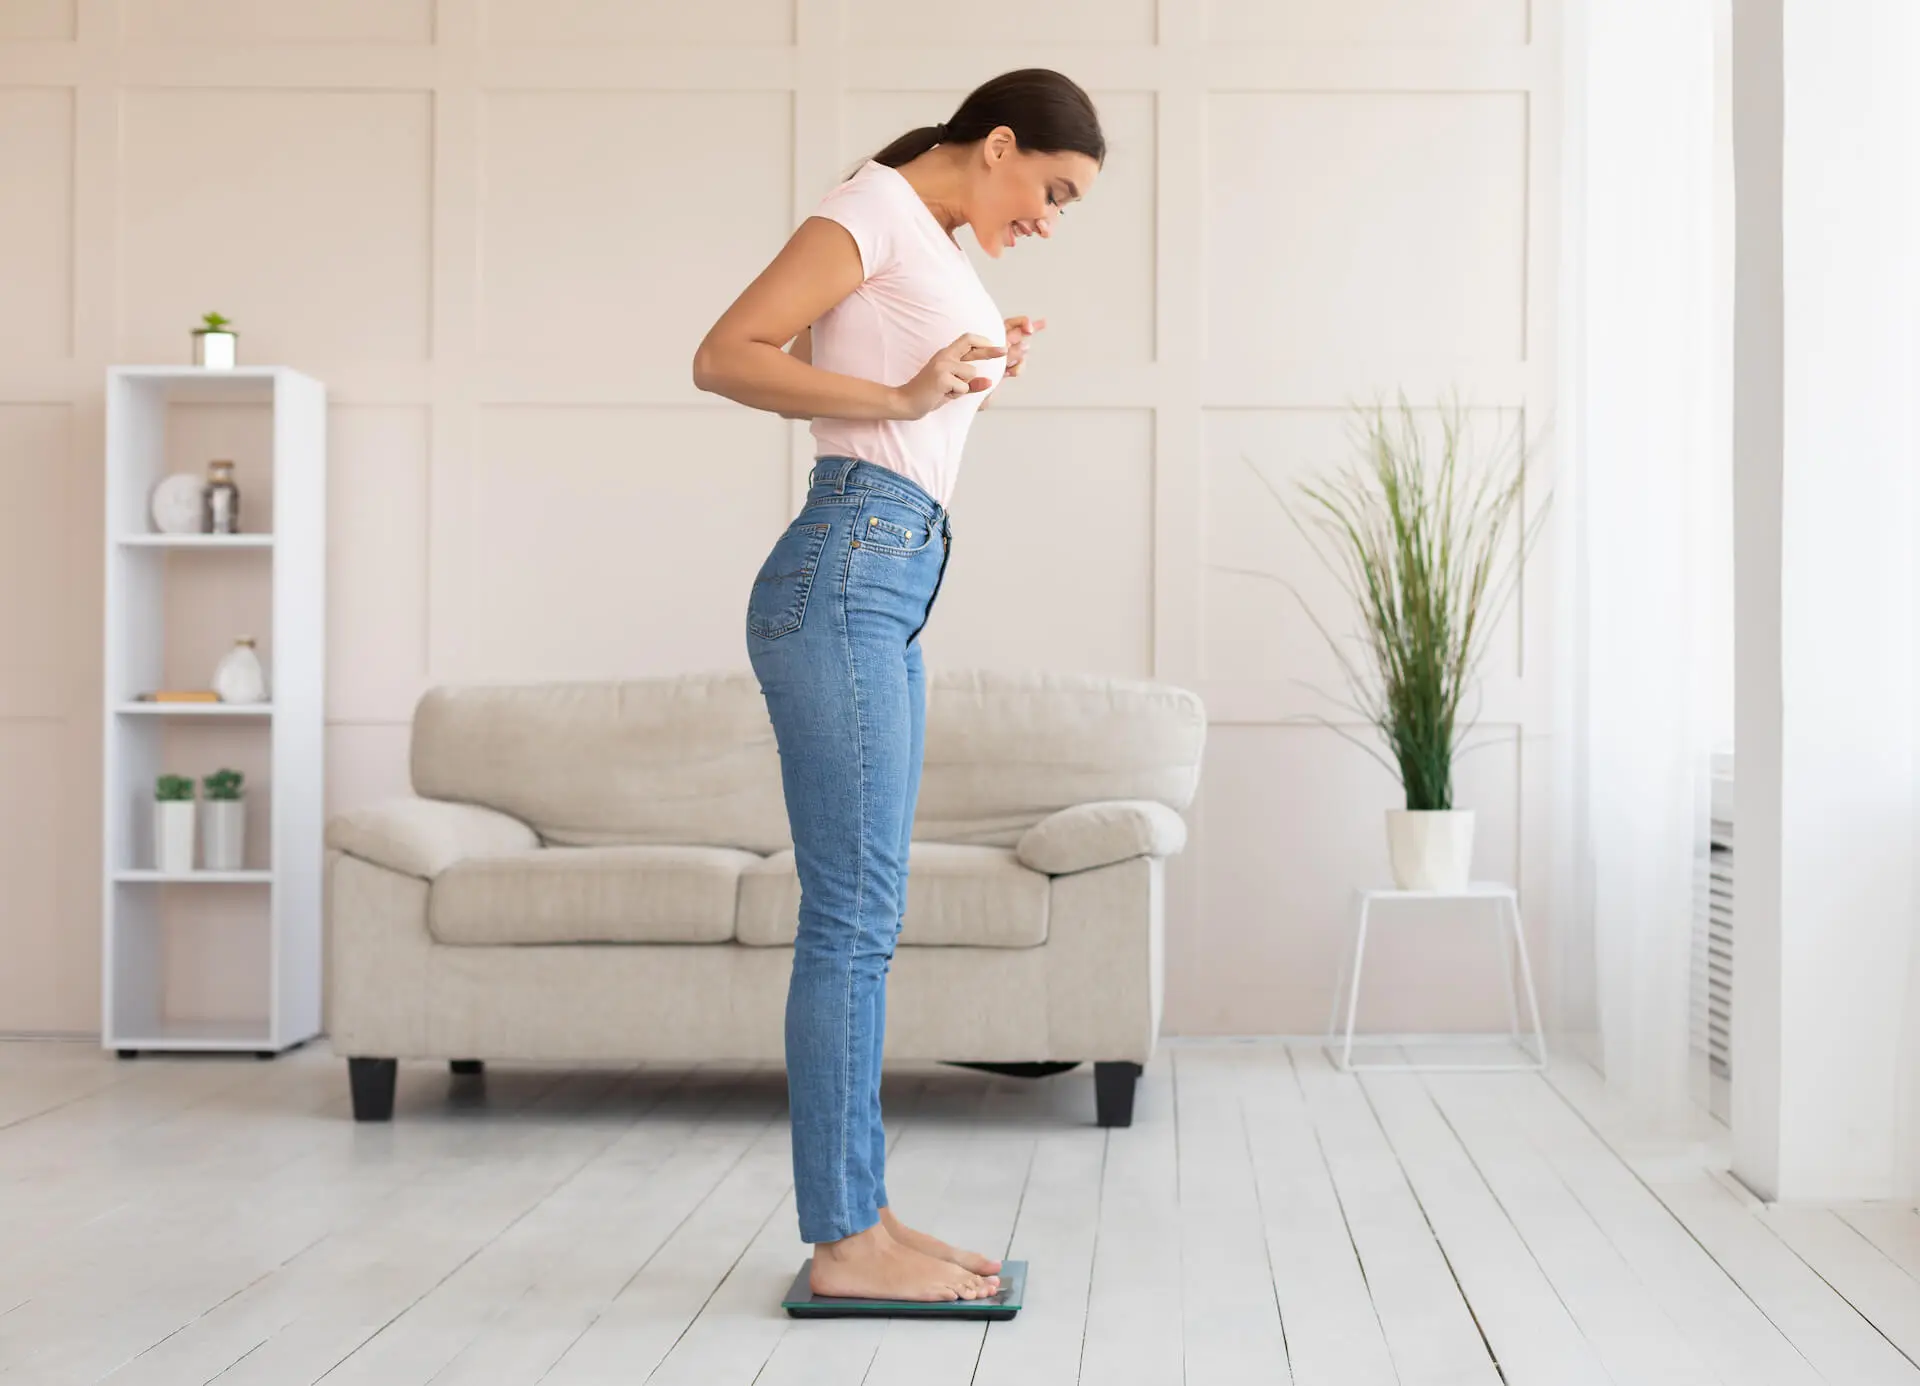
(602, 872)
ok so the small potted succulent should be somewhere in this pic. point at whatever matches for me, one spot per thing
(225, 814)
(173, 824)
(215, 343)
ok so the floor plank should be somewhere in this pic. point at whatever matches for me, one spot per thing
(1333, 1332)
(1893, 1228)
(498, 1316)
(1585, 1304)
(1135, 1318)
(356, 1285)
(1232, 1329)
(1816, 1324)
(1055, 1234)
(1266, 1218)
(646, 1314)
(1429, 1328)
(1534, 1336)
(1883, 1294)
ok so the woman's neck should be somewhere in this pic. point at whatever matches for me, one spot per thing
(939, 176)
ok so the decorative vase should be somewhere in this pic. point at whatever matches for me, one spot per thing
(226, 833)
(238, 678)
(178, 504)
(173, 836)
(1430, 850)
(215, 348)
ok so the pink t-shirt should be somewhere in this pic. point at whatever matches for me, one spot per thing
(920, 292)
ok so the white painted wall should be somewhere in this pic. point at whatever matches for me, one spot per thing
(496, 228)
(1826, 149)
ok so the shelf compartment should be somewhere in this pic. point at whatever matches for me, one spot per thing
(240, 1035)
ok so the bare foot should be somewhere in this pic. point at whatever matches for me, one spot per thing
(932, 1246)
(872, 1265)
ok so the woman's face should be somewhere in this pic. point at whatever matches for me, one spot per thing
(1018, 194)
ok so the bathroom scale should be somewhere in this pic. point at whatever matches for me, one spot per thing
(802, 1303)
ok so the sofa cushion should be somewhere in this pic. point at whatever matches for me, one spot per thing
(957, 896)
(589, 895)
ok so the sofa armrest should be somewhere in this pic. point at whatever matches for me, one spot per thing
(1084, 836)
(423, 837)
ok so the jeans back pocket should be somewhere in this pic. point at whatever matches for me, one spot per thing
(779, 599)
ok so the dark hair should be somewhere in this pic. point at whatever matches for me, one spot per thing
(1047, 113)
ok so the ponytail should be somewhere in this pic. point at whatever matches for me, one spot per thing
(911, 145)
(1047, 113)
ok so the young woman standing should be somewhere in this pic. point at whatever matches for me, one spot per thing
(872, 323)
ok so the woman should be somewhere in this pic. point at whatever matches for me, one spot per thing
(872, 323)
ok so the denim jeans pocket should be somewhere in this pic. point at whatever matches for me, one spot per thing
(779, 600)
(890, 526)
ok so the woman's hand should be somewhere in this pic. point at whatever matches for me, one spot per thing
(1020, 331)
(947, 376)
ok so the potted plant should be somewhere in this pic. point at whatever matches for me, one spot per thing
(225, 813)
(215, 343)
(1429, 549)
(173, 824)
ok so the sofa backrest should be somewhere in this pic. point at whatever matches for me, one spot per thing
(692, 758)
(1005, 750)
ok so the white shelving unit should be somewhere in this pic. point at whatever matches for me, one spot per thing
(135, 1012)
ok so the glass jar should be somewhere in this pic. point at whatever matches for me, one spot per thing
(222, 500)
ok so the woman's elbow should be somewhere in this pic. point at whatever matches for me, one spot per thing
(706, 368)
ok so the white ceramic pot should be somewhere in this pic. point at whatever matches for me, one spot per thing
(225, 821)
(1430, 851)
(173, 835)
(218, 349)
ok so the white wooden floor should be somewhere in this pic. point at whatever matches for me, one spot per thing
(1265, 1220)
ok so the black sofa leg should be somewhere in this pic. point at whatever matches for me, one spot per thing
(372, 1084)
(1113, 1085)
(466, 1068)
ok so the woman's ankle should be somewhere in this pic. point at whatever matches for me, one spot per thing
(858, 1243)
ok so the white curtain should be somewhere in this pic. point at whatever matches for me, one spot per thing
(1642, 513)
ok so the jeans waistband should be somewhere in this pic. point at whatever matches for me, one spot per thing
(845, 473)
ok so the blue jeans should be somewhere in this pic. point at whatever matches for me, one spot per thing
(833, 626)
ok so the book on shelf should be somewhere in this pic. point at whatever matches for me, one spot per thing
(179, 695)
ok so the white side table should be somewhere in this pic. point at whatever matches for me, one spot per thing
(1508, 901)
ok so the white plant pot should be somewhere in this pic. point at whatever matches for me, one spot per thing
(173, 835)
(217, 349)
(1430, 851)
(226, 833)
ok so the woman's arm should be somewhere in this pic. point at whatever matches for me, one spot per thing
(801, 349)
(744, 356)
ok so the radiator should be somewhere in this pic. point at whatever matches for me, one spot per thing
(1712, 989)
